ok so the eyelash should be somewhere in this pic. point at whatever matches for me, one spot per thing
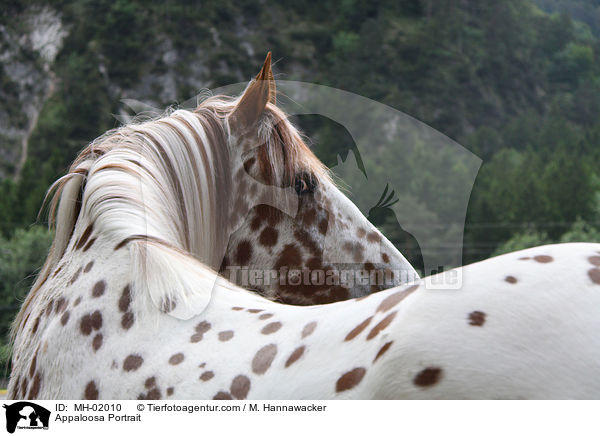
(305, 184)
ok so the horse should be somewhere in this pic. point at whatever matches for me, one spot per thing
(130, 305)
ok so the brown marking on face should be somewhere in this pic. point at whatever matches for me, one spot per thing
(85, 236)
(385, 258)
(168, 305)
(309, 217)
(428, 377)
(237, 308)
(358, 329)
(350, 379)
(89, 244)
(269, 214)
(255, 310)
(360, 232)
(150, 382)
(594, 275)
(296, 354)
(542, 258)
(323, 225)
(392, 300)
(98, 289)
(176, 359)
(524, 258)
(243, 253)
(382, 350)
(272, 327)
(91, 391)
(268, 237)
(510, 279)
(264, 358)
(381, 325)
(206, 375)
(88, 267)
(265, 316)
(240, 386)
(132, 362)
(77, 301)
(127, 320)
(65, 318)
(222, 396)
(170, 391)
(125, 299)
(355, 249)
(226, 335)
(97, 342)
(249, 163)
(290, 256)
(96, 320)
(309, 329)
(154, 394)
(373, 237)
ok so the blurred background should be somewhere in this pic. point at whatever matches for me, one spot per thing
(517, 82)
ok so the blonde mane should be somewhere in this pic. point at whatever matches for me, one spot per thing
(156, 181)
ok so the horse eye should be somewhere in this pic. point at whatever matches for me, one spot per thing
(305, 184)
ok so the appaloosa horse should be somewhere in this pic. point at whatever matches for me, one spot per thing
(128, 306)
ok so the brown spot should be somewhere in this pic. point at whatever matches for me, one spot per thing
(309, 329)
(428, 377)
(96, 320)
(350, 379)
(381, 325)
(240, 386)
(264, 358)
(268, 237)
(323, 224)
(360, 232)
(382, 350)
(125, 299)
(594, 275)
(594, 260)
(390, 301)
(374, 237)
(98, 289)
(510, 279)
(85, 325)
(176, 359)
(170, 391)
(65, 318)
(91, 391)
(355, 249)
(85, 236)
(222, 396)
(385, 257)
(77, 301)
(168, 305)
(154, 394)
(75, 276)
(97, 342)
(271, 328)
(127, 320)
(226, 335)
(524, 258)
(89, 244)
(542, 258)
(150, 382)
(255, 310)
(88, 267)
(477, 318)
(265, 316)
(61, 304)
(296, 354)
(49, 307)
(207, 375)
(290, 256)
(243, 253)
(201, 328)
(132, 362)
(236, 308)
(358, 329)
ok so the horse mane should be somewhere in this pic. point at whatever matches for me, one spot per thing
(173, 163)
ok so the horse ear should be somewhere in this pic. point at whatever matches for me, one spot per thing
(254, 100)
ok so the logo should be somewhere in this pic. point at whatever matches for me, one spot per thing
(26, 415)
